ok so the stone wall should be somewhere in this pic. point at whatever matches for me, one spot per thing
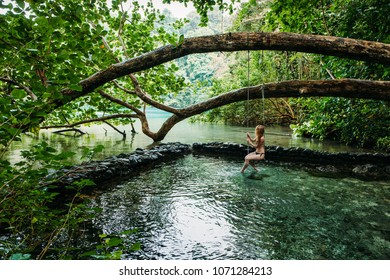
(365, 166)
(360, 165)
(122, 165)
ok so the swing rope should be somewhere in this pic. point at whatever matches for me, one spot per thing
(247, 87)
(262, 86)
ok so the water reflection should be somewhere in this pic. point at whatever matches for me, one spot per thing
(184, 132)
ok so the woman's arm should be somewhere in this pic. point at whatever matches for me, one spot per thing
(248, 136)
(250, 141)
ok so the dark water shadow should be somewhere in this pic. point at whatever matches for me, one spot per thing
(257, 176)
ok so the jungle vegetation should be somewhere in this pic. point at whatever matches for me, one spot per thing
(67, 63)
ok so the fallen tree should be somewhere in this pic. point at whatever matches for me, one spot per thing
(347, 88)
(327, 45)
(230, 42)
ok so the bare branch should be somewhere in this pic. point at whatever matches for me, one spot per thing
(327, 45)
(120, 102)
(100, 119)
(26, 89)
(348, 88)
(75, 130)
(147, 99)
(123, 88)
(117, 130)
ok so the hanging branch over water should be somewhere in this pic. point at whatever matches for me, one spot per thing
(101, 119)
(230, 42)
(75, 130)
(349, 88)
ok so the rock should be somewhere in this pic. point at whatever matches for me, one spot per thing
(369, 172)
(328, 171)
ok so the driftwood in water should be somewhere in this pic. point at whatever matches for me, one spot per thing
(75, 130)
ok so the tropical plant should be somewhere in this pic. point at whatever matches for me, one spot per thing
(337, 118)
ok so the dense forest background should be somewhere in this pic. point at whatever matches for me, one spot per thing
(361, 123)
(48, 47)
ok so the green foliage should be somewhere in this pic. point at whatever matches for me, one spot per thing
(357, 122)
(49, 46)
(37, 221)
(354, 122)
(383, 144)
(113, 246)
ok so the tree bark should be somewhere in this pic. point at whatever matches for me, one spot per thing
(348, 88)
(230, 42)
(100, 119)
(326, 45)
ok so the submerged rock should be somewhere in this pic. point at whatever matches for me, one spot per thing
(360, 165)
(370, 172)
(327, 171)
(123, 165)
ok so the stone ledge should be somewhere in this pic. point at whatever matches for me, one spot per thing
(121, 165)
(359, 165)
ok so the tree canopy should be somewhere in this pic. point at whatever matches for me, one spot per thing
(66, 63)
(355, 122)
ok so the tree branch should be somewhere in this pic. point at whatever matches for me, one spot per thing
(147, 99)
(75, 130)
(123, 88)
(26, 89)
(100, 119)
(117, 130)
(348, 88)
(120, 102)
(318, 44)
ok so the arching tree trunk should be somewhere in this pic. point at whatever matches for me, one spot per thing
(327, 45)
(349, 88)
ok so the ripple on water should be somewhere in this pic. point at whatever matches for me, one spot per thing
(203, 208)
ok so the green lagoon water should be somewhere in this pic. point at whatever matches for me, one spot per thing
(184, 132)
(203, 208)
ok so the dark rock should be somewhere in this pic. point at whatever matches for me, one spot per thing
(369, 172)
(327, 171)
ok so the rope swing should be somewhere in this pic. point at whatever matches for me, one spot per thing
(262, 85)
(248, 80)
(247, 106)
(247, 87)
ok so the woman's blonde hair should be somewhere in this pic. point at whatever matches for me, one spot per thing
(259, 132)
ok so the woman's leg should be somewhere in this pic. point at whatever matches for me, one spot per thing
(249, 158)
(251, 163)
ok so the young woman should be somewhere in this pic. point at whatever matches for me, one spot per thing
(258, 144)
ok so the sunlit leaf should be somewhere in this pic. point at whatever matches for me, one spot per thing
(18, 94)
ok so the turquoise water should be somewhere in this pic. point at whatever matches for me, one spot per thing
(184, 132)
(202, 208)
